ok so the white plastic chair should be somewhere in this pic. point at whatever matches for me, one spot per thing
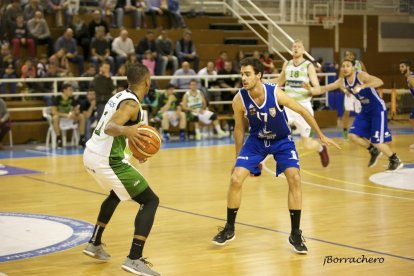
(64, 126)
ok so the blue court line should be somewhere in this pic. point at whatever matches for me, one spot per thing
(238, 223)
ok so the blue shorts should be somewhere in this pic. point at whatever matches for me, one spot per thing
(412, 114)
(372, 126)
(255, 151)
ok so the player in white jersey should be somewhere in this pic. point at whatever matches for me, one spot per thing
(295, 74)
(104, 159)
(350, 102)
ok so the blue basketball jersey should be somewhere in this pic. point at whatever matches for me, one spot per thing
(369, 97)
(409, 86)
(269, 120)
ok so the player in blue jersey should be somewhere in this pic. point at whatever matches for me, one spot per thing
(405, 71)
(370, 126)
(269, 133)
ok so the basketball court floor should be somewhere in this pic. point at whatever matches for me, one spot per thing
(354, 219)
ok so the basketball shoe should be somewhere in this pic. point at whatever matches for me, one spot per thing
(97, 252)
(395, 163)
(140, 267)
(375, 154)
(324, 156)
(225, 234)
(298, 242)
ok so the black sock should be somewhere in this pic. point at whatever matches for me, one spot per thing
(345, 129)
(295, 219)
(231, 216)
(370, 147)
(97, 235)
(136, 249)
(393, 156)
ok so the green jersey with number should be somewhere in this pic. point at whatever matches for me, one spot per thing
(104, 144)
(295, 76)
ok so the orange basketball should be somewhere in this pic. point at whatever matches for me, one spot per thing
(148, 149)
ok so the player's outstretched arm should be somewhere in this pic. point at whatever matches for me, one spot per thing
(368, 81)
(285, 100)
(323, 89)
(239, 122)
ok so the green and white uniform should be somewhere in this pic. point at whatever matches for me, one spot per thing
(195, 103)
(104, 155)
(295, 76)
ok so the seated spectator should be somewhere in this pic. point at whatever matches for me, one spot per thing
(65, 110)
(219, 64)
(186, 51)
(9, 73)
(122, 46)
(165, 51)
(39, 31)
(81, 35)
(175, 14)
(148, 60)
(257, 54)
(209, 82)
(267, 61)
(103, 86)
(61, 63)
(31, 8)
(155, 8)
(97, 21)
(42, 66)
(148, 43)
(90, 113)
(134, 7)
(6, 57)
(131, 60)
(5, 123)
(171, 113)
(56, 7)
(12, 11)
(52, 73)
(20, 37)
(121, 73)
(71, 8)
(28, 70)
(239, 56)
(195, 106)
(67, 42)
(231, 82)
(107, 8)
(185, 70)
(100, 50)
(90, 72)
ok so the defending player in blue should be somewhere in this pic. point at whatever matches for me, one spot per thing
(269, 133)
(370, 126)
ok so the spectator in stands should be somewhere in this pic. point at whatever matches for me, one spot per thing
(185, 70)
(257, 54)
(5, 123)
(61, 63)
(267, 61)
(209, 82)
(28, 70)
(42, 66)
(197, 111)
(67, 42)
(148, 43)
(90, 72)
(122, 46)
(107, 8)
(165, 51)
(121, 84)
(177, 20)
(39, 31)
(52, 73)
(239, 56)
(6, 57)
(100, 50)
(90, 113)
(229, 83)
(154, 8)
(9, 73)
(81, 35)
(12, 11)
(219, 64)
(103, 86)
(96, 22)
(131, 60)
(56, 7)
(148, 60)
(71, 8)
(66, 110)
(134, 7)
(186, 50)
(20, 38)
(171, 113)
(31, 8)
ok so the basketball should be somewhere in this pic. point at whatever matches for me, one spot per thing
(148, 149)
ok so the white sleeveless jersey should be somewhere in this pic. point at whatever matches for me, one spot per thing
(194, 103)
(295, 77)
(106, 145)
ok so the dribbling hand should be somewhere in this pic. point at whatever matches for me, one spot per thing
(328, 141)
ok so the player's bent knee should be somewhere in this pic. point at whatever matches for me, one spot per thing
(235, 182)
(294, 180)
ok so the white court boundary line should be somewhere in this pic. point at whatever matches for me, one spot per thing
(334, 188)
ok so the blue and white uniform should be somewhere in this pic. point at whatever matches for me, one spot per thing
(371, 122)
(412, 94)
(269, 133)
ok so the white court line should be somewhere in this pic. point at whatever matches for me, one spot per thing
(334, 188)
(42, 152)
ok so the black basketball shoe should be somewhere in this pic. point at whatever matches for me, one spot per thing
(395, 164)
(298, 242)
(225, 234)
(375, 154)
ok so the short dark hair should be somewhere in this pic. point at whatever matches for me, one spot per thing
(351, 61)
(169, 86)
(406, 62)
(136, 73)
(66, 85)
(255, 63)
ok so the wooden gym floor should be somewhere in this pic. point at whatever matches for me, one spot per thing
(344, 215)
